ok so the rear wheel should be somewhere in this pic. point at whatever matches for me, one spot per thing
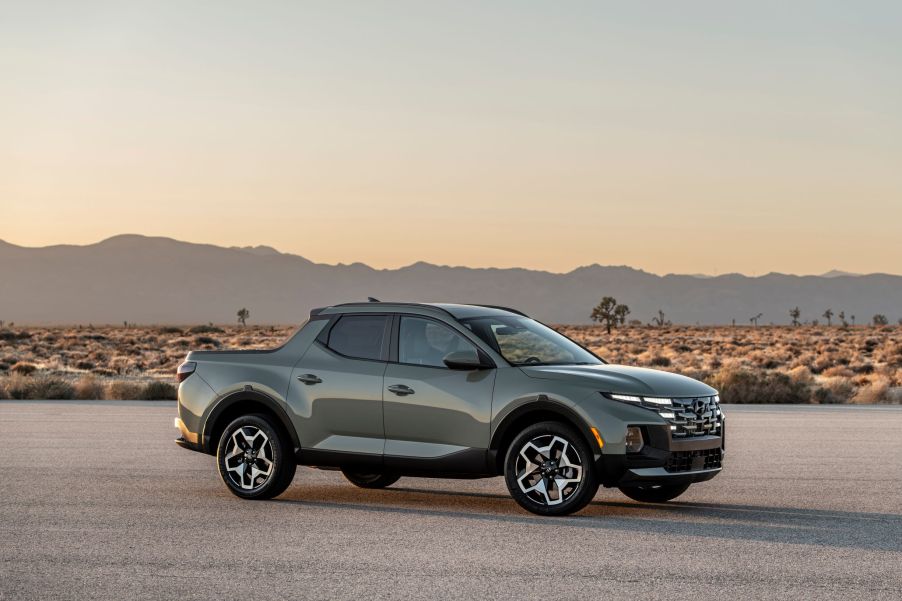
(548, 469)
(654, 493)
(254, 458)
(370, 480)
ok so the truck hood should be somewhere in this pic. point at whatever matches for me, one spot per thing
(623, 379)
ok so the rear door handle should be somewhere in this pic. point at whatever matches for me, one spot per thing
(400, 389)
(309, 379)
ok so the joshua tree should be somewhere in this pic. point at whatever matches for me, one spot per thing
(243, 314)
(853, 319)
(754, 320)
(795, 314)
(621, 311)
(828, 315)
(842, 318)
(660, 320)
(880, 320)
(609, 312)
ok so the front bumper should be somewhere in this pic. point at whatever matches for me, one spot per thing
(664, 460)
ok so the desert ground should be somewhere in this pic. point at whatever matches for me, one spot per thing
(766, 364)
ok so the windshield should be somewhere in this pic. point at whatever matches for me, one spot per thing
(523, 341)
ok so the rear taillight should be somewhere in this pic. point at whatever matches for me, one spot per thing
(185, 370)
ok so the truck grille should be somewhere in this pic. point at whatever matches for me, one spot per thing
(684, 461)
(698, 416)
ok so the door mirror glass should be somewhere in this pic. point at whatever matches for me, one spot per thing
(467, 359)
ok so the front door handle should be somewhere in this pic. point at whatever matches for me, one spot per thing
(309, 379)
(400, 389)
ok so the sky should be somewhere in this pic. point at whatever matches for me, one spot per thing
(675, 137)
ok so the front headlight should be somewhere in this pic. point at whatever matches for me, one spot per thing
(649, 402)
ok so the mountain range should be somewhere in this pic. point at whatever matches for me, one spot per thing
(143, 279)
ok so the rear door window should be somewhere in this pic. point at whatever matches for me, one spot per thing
(360, 336)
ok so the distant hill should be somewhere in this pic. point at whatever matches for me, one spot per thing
(160, 280)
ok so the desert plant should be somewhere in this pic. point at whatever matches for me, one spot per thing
(608, 312)
(795, 314)
(88, 388)
(158, 391)
(743, 386)
(25, 369)
(39, 388)
(754, 320)
(660, 320)
(123, 390)
(880, 320)
(828, 315)
(842, 318)
(660, 361)
(207, 329)
(621, 311)
(243, 314)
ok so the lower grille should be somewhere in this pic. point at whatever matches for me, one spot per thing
(685, 461)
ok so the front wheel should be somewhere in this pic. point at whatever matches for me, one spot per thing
(548, 469)
(254, 458)
(654, 493)
(373, 480)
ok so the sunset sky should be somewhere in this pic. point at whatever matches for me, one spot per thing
(690, 137)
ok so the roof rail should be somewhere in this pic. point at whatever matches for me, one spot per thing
(517, 311)
(402, 304)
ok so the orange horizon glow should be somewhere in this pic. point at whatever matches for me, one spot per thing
(680, 139)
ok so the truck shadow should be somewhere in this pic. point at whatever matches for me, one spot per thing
(728, 521)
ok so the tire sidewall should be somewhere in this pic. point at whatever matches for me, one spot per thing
(587, 488)
(280, 458)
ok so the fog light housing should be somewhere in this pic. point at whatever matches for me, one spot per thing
(633, 440)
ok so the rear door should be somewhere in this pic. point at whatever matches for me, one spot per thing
(432, 411)
(336, 390)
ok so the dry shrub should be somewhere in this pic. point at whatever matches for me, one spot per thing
(24, 369)
(744, 386)
(801, 374)
(88, 388)
(834, 390)
(839, 371)
(121, 390)
(876, 391)
(158, 391)
(38, 388)
(660, 361)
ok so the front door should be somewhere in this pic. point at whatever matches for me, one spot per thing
(432, 411)
(335, 392)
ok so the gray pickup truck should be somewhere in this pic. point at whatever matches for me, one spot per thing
(385, 390)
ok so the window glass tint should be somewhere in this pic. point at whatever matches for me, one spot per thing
(359, 336)
(426, 342)
(523, 341)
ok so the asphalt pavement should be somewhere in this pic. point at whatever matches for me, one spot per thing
(97, 502)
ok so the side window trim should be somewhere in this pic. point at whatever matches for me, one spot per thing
(323, 337)
(396, 334)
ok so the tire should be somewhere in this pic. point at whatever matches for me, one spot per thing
(253, 442)
(370, 480)
(654, 493)
(548, 469)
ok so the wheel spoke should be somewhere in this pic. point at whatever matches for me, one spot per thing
(546, 467)
(249, 458)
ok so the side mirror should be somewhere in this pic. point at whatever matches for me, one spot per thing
(464, 360)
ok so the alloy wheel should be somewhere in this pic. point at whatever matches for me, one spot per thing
(549, 469)
(249, 462)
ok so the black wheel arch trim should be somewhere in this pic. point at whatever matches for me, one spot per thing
(542, 404)
(241, 396)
